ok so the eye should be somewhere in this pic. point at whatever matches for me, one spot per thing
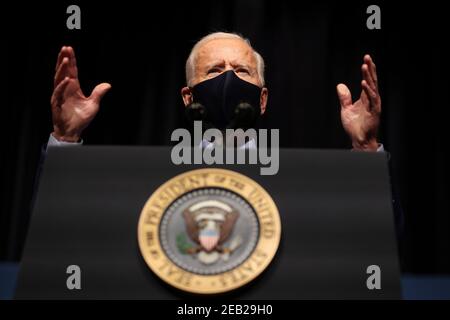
(214, 70)
(243, 70)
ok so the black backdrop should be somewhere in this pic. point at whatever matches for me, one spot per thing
(308, 46)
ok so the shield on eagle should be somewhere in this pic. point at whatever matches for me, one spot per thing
(208, 239)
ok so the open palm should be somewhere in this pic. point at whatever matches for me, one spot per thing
(72, 111)
(361, 118)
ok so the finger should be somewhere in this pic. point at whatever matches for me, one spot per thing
(372, 68)
(371, 94)
(62, 53)
(345, 97)
(99, 91)
(368, 77)
(58, 93)
(72, 63)
(62, 71)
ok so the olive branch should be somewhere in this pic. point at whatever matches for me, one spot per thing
(182, 243)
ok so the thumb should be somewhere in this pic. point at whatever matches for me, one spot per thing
(345, 97)
(99, 91)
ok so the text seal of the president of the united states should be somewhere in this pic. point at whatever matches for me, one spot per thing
(209, 231)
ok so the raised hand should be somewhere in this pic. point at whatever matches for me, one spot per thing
(72, 111)
(361, 118)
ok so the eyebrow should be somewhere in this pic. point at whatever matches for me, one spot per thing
(240, 65)
(217, 63)
(221, 64)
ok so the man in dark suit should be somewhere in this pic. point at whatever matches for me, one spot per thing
(211, 57)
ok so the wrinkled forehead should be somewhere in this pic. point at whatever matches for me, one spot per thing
(233, 51)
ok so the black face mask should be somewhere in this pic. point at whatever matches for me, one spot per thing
(228, 101)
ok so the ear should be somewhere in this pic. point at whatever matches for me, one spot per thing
(186, 94)
(263, 99)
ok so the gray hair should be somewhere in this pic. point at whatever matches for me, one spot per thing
(190, 62)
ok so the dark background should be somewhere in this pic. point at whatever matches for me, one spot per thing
(309, 47)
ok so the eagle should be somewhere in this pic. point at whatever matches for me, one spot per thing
(209, 223)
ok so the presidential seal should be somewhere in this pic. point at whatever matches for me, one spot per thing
(209, 231)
